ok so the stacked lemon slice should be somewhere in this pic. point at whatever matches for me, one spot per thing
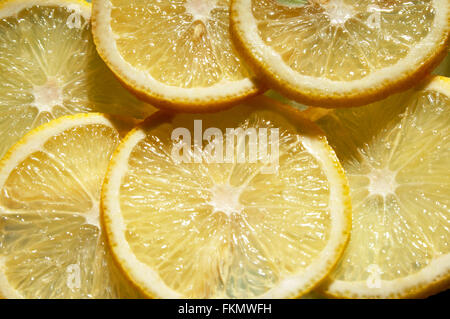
(396, 154)
(49, 67)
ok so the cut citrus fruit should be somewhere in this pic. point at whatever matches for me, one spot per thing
(49, 67)
(396, 154)
(341, 53)
(176, 54)
(211, 226)
(51, 244)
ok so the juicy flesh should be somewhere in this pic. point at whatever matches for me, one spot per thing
(342, 40)
(396, 155)
(182, 43)
(51, 245)
(48, 68)
(224, 229)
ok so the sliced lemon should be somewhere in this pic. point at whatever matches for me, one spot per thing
(176, 53)
(444, 67)
(341, 53)
(51, 244)
(49, 67)
(231, 228)
(396, 154)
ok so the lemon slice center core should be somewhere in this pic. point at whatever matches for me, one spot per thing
(337, 11)
(200, 10)
(48, 95)
(382, 182)
(225, 199)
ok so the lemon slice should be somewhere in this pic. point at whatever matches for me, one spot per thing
(396, 154)
(176, 54)
(49, 68)
(200, 226)
(444, 67)
(338, 53)
(51, 244)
